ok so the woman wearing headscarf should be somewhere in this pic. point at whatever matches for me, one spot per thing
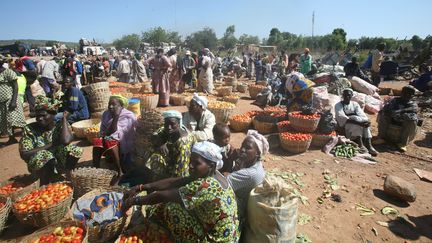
(300, 89)
(248, 171)
(160, 76)
(11, 109)
(45, 145)
(117, 134)
(197, 208)
(171, 148)
(305, 61)
(199, 120)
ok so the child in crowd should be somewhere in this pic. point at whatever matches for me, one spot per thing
(222, 135)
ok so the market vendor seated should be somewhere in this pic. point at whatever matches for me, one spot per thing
(424, 82)
(222, 136)
(198, 119)
(117, 135)
(299, 91)
(352, 119)
(248, 171)
(402, 112)
(74, 102)
(171, 148)
(353, 69)
(198, 208)
(45, 145)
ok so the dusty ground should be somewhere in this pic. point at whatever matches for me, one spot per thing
(331, 221)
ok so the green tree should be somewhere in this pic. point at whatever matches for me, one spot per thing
(229, 40)
(249, 39)
(338, 39)
(50, 43)
(275, 37)
(156, 36)
(205, 38)
(131, 41)
(416, 42)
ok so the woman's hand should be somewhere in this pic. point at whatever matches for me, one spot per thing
(163, 149)
(128, 203)
(133, 191)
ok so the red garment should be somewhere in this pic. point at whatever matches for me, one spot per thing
(105, 144)
(19, 65)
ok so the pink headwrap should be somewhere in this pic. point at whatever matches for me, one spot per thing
(260, 141)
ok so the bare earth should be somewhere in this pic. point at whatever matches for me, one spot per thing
(332, 221)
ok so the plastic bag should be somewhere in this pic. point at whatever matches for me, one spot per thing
(333, 100)
(320, 98)
(373, 105)
(36, 89)
(360, 98)
(272, 213)
(362, 86)
(327, 123)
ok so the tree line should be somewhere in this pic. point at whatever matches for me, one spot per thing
(335, 41)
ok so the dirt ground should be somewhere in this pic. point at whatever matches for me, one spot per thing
(331, 221)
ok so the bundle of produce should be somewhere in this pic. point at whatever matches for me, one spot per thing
(240, 123)
(101, 212)
(221, 109)
(80, 127)
(345, 151)
(18, 186)
(304, 122)
(66, 232)
(45, 205)
(254, 90)
(295, 142)
(283, 126)
(320, 140)
(92, 132)
(146, 232)
(264, 123)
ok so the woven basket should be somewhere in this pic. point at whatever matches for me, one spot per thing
(86, 179)
(149, 103)
(50, 229)
(231, 99)
(99, 94)
(91, 135)
(264, 127)
(255, 90)
(80, 127)
(106, 232)
(295, 147)
(28, 181)
(135, 89)
(224, 91)
(177, 100)
(222, 115)
(4, 211)
(319, 140)
(231, 81)
(303, 125)
(242, 88)
(239, 126)
(45, 216)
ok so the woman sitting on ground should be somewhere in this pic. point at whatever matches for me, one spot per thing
(197, 208)
(117, 135)
(248, 171)
(45, 145)
(199, 120)
(172, 144)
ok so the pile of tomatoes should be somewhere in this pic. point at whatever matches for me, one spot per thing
(283, 126)
(275, 109)
(296, 136)
(252, 114)
(10, 188)
(43, 198)
(298, 114)
(241, 118)
(71, 234)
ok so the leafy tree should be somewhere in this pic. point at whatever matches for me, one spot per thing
(205, 38)
(131, 41)
(229, 40)
(275, 37)
(416, 42)
(50, 43)
(249, 39)
(156, 36)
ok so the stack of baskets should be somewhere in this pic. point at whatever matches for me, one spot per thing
(149, 123)
(105, 232)
(86, 179)
(51, 228)
(177, 99)
(4, 211)
(224, 91)
(99, 94)
(45, 216)
(221, 110)
(295, 146)
(79, 128)
(264, 123)
(254, 90)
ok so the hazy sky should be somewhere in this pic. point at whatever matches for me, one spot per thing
(107, 20)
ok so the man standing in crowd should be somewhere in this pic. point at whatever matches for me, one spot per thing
(123, 70)
(377, 58)
(188, 64)
(49, 72)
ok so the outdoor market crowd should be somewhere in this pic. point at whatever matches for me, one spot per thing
(191, 162)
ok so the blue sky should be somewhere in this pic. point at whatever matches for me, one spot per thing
(109, 19)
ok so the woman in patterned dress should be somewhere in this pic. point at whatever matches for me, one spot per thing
(171, 150)
(300, 89)
(160, 76)
(45, 145)
(11, 110)
(197, 208)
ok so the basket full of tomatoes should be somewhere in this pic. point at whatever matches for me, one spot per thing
(303, 122)
(67, 231)
(320, 140)
(295, 142)
(17, 186)
(5, 206)
(146, 232)
(240, 122)
(45, 205)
